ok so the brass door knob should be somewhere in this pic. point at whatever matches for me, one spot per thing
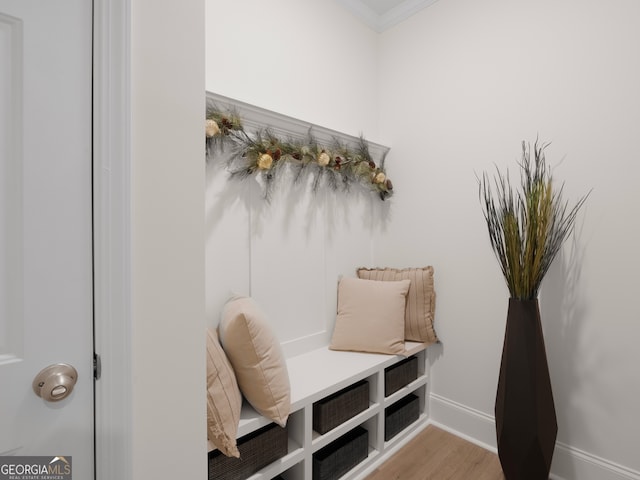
(55, 382)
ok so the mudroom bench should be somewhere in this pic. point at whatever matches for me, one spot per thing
(349, 411)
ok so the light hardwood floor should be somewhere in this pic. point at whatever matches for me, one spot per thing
(438, 455)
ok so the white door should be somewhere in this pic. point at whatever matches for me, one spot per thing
(46, 307)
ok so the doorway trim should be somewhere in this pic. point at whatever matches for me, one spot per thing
(112, 237)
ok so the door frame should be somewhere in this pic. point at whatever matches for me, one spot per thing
(112, 237)
(125, 269)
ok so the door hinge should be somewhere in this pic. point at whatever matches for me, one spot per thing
(97, 366)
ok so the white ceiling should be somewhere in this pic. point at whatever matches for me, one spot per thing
(383, 14)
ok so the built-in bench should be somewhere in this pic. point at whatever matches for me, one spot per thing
(319, 373)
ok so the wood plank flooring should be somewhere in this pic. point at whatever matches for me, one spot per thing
(438, 455)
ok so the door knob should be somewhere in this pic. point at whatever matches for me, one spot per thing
(55, 382)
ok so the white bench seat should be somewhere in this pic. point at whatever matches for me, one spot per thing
(314, 375)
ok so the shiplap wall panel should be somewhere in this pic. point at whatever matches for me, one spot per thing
(227, 240)
(288, 262)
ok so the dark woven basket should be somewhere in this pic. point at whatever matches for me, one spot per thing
(341, 455)
(339, 407)
(257, 450)
(400, 375)
(400, 415)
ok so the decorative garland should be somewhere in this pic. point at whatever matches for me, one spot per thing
(263, 155)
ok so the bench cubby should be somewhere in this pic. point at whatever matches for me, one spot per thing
(257, 450)
(337, 408)
(400, 415)
(319, 375)
(341, 455)
(400, 375)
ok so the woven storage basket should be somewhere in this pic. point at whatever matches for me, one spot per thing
(257, 450)
(340, 456)
(399, 375)
(400, 415)
(339, 407)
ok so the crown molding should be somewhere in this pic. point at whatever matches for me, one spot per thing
(400, 13)
(382, 22)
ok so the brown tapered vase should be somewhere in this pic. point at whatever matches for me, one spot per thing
(526, 426)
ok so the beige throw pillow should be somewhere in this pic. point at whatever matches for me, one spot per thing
(421, 299)
(257, 358)
(224, 400)
(370, 316)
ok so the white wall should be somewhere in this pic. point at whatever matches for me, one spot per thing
(470, 80)
(167, 189)
(308, 60)
(311, 61)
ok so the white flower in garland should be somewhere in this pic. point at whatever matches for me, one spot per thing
(265, 161)
(323, 159)
(379, 178)
(212, 128)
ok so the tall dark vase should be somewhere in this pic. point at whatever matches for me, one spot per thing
(526, 425)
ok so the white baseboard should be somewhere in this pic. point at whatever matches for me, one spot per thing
(569, 463)
(468, 423)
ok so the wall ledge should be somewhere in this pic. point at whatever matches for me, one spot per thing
(255, 118)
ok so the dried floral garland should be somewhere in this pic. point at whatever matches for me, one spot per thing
(263, 154)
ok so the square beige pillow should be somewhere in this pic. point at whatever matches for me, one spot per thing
(224, 400)
(370, 316)
(421, 299)
(257, 359)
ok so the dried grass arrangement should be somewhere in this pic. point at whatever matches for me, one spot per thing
(526, 227)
